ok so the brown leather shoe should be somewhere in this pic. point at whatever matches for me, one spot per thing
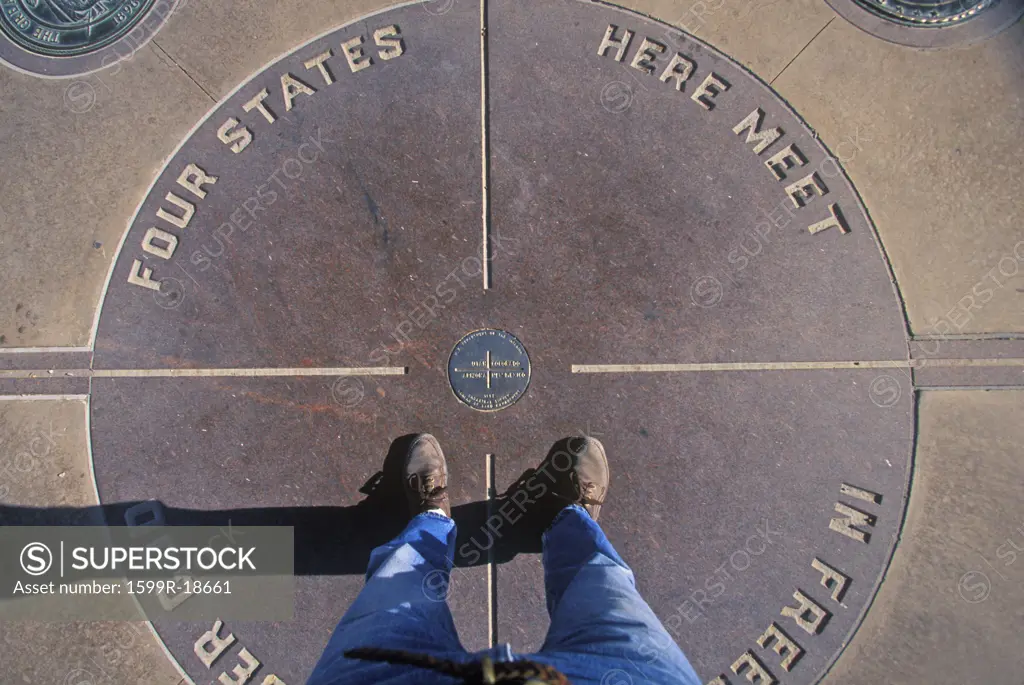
(574, 472)
(425, 476)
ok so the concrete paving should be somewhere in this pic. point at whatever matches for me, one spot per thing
(929, 166)
(763, 36)
(930, 139)
(45, 463)
(950, 606)
(64, 219)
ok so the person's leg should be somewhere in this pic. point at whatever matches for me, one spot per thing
(599, 621)
(403, 604)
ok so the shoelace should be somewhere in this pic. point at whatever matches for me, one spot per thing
(584, 488)
(428, 492)
(585, 498)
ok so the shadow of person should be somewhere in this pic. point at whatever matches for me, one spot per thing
(514, 522)
(330, 540)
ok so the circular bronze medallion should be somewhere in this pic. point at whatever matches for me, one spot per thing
(930, 23)
(66, 28)
(489, 370)
(930, 12)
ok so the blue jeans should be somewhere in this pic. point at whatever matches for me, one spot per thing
(601, 631)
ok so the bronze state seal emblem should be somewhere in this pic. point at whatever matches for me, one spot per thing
(68, 28)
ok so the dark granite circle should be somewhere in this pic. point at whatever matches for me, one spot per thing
(649, 202)
(489, 370)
